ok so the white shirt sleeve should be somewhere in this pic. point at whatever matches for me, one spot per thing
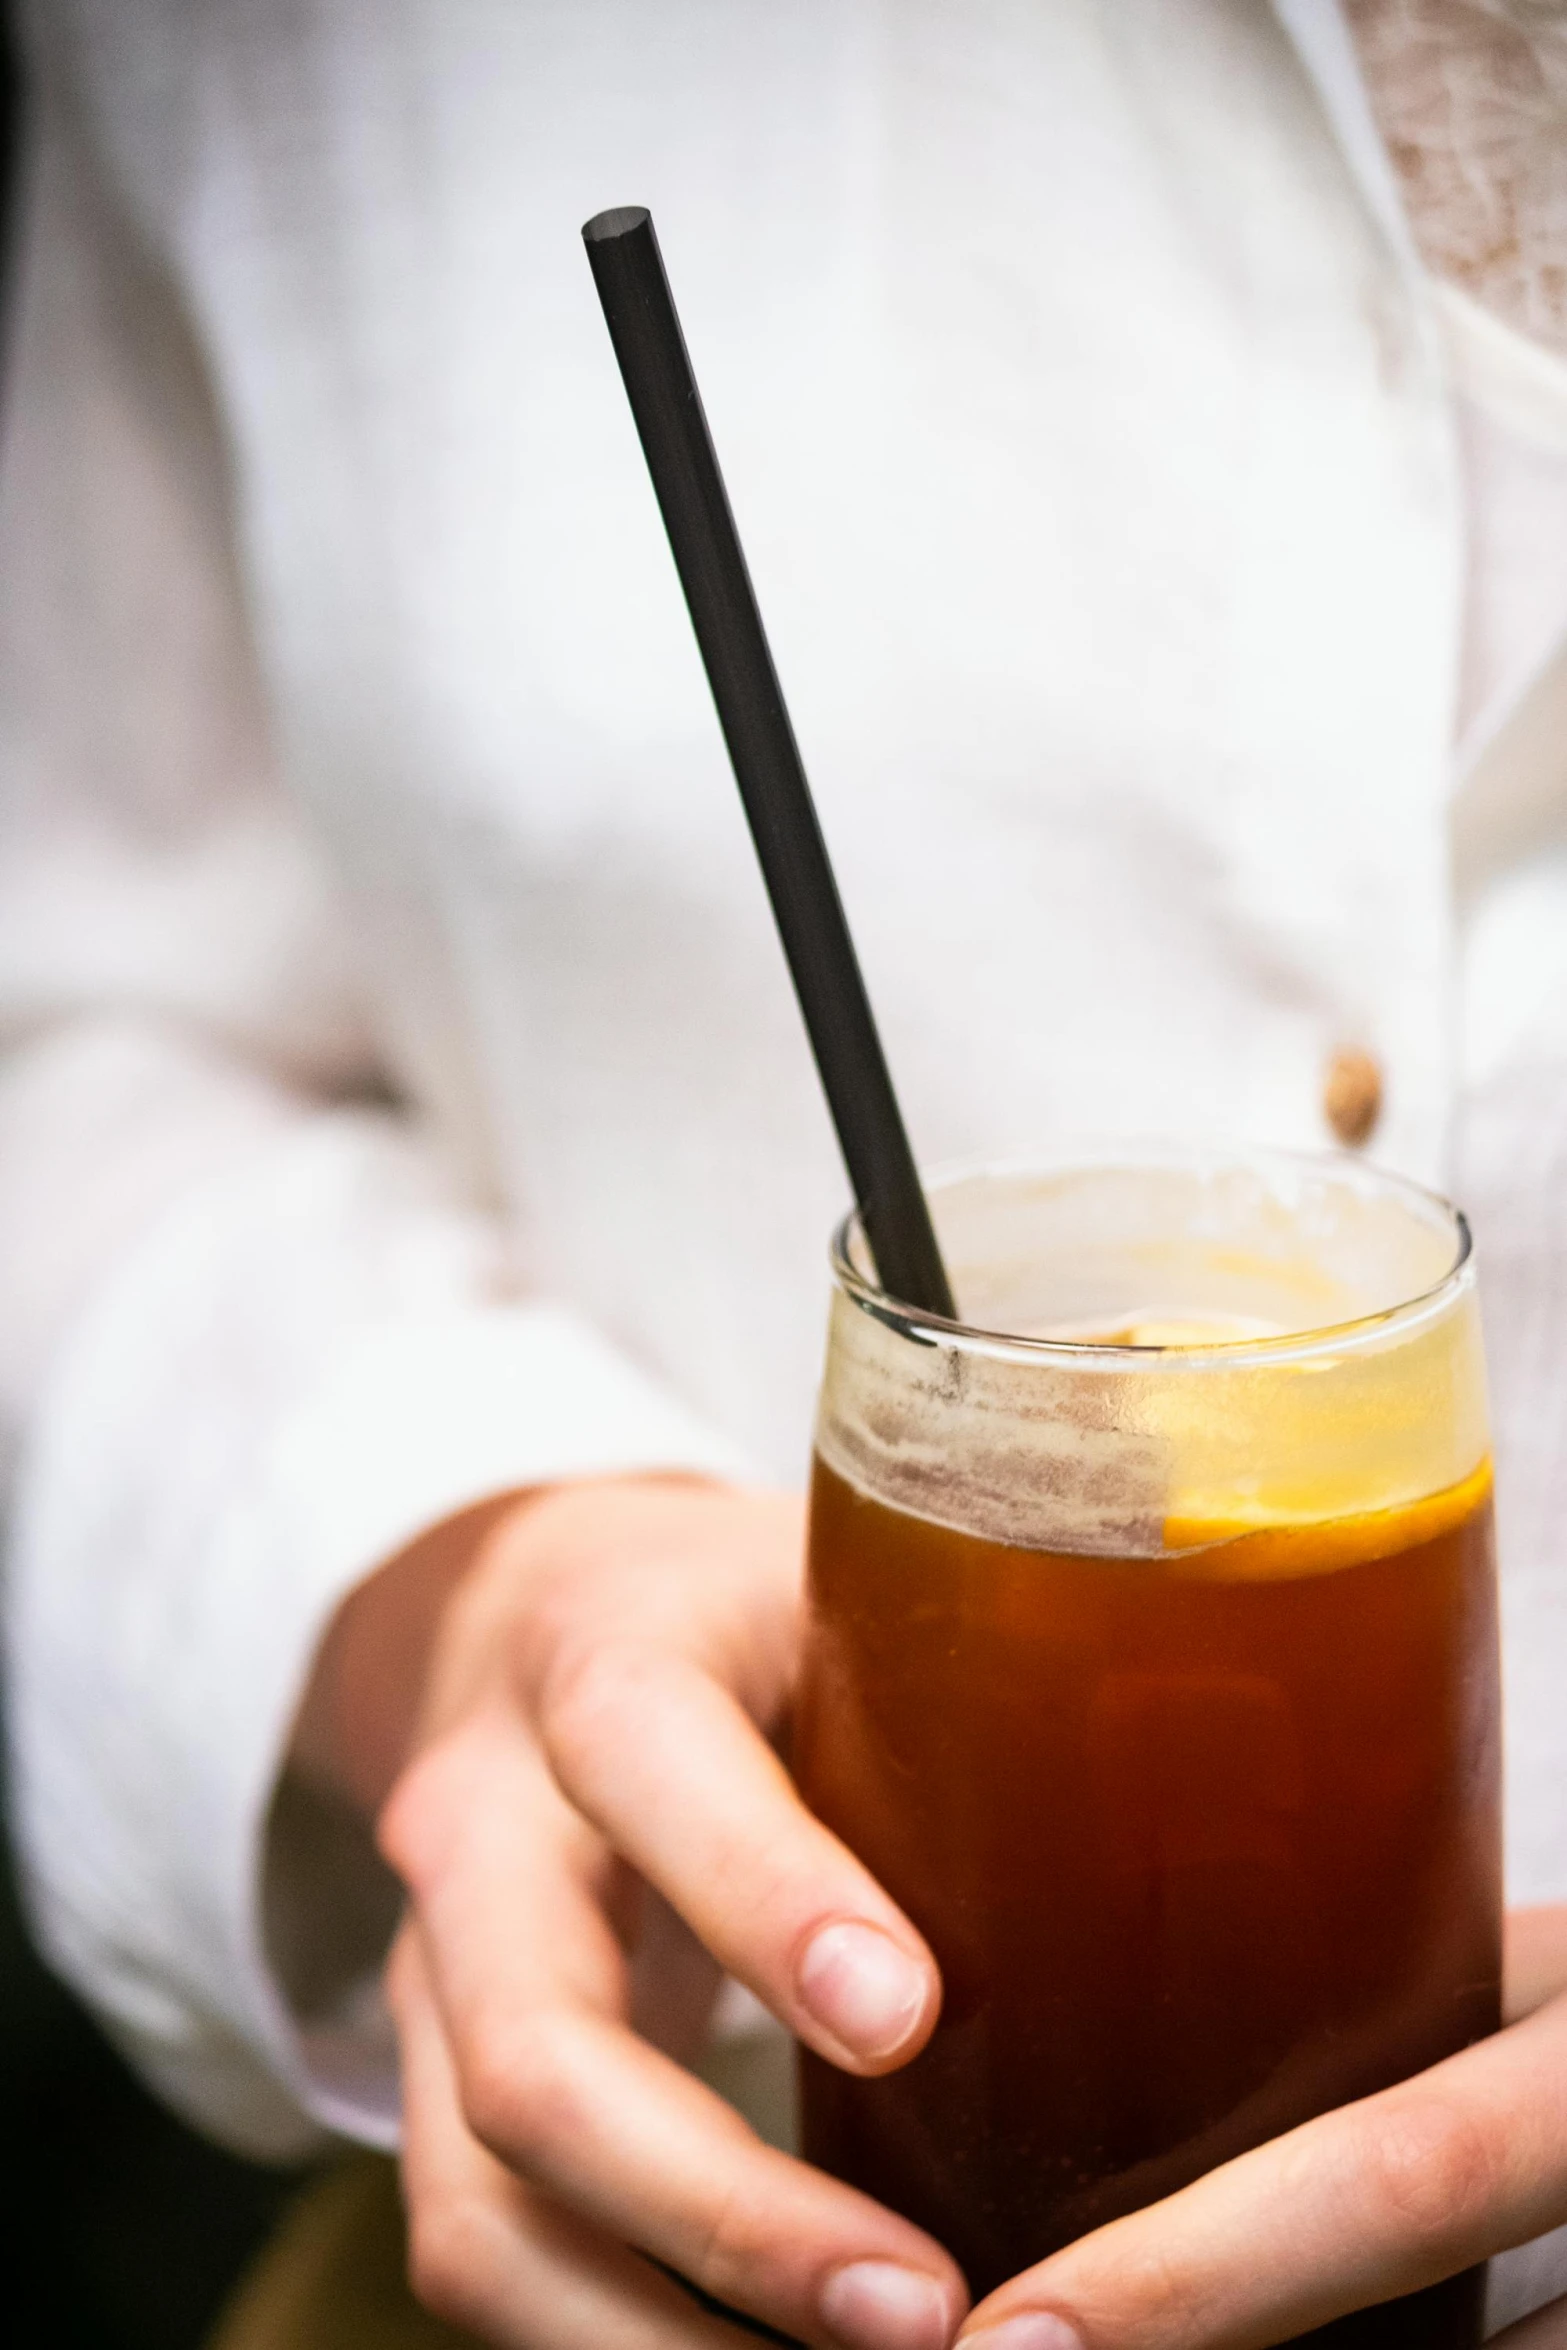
(298, 1367)
(253, 1338)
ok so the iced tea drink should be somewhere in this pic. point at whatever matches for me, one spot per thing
(1152, 1669)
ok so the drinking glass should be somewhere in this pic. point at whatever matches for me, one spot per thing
(1152, 1667)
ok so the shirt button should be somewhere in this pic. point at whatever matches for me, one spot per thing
(1352, 1095)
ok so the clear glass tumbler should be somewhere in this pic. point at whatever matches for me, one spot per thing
(1152, 1667)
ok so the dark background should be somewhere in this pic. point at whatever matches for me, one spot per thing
(121, 2229)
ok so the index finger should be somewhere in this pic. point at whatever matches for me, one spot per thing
(1380, 2198)
(665, 1762)
(529, 1982)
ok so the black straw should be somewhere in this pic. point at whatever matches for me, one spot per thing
(629, 273)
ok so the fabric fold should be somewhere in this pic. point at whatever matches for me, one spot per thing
(302, 1367)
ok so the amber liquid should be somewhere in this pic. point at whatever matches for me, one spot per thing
(1203, 1846)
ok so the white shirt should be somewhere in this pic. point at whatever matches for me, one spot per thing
(1089, 422)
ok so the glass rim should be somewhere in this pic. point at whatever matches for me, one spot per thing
(924, 1328)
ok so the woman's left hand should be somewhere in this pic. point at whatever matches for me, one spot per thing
(1379, 2198)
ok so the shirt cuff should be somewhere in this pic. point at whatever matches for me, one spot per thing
(146, 1780)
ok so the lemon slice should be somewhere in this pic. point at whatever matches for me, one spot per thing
(1267, 1548)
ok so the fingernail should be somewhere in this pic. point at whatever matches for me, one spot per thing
(875, 2305)
(863, 1989)
(1031, 2329)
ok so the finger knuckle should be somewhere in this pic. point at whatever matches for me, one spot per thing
(448, 2255)
(403, 1828)
(558, 1605)
(732, 2244)
(413, 1827)
(521, 2086)
(1429, 2166)
(594, 1691)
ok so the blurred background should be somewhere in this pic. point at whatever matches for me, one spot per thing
(123, 2230)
